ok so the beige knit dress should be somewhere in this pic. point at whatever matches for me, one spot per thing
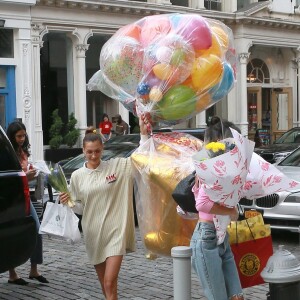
(106, 195)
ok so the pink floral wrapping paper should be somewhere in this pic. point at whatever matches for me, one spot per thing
(236, 174)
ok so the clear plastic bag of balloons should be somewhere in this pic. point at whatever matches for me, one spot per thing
(173, 66)
(160, 163)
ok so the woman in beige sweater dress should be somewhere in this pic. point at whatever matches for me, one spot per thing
(103, 193)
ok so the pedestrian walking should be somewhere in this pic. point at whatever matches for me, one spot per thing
(213, 263)
(103, 194)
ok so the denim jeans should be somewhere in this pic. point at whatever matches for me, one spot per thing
(37, 255)
(214, 264)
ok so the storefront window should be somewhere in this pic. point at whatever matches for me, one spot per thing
(257, 72)
(6, 43)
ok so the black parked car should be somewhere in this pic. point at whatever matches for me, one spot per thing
(283, 146)
(17, 227)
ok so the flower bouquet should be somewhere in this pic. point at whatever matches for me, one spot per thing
(57, 180)
(227, 175)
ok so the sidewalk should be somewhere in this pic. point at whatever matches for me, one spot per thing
(72, 277)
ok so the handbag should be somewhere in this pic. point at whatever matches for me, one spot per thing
(251, 256)
(183, 194)
(60, 221)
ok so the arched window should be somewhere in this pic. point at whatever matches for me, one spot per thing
(257, 71)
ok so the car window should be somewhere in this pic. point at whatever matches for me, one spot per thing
(7, 161)
(291, 160)
(292, 136)
(74, 163)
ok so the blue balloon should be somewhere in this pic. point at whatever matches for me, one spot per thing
(175, 19)
(143, 89)
(220, 90)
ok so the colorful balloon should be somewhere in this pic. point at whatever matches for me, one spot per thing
(207, 71)
(121, 61)
(221, 90)
(131, 30)
(195, 30)
(155, 94)
(143, 89)
(144, 64)
(177, 103)
(155, 28)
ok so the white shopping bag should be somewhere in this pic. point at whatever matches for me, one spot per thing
(60, 221)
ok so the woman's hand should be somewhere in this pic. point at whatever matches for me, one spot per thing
(64, 198)
(31, 173)
(234, 215)
(144, 123)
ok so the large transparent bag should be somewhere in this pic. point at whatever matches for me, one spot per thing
(172, 65)
(160, 164)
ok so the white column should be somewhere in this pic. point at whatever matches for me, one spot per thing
(242, 94)
(201, 119)
(37, 141)
(297, 60)
(80, 88)
(197, 4)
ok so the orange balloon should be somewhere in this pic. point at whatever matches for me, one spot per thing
(207, 71)
(163, 71)
(203, 102)
(131, 30)
(188, 82)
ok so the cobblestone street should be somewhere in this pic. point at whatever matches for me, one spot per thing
(72, 277)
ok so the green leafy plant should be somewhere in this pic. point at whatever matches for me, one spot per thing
(56, 138)
(73, 133)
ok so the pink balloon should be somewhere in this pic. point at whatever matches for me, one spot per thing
(154, 27)
(196, 31)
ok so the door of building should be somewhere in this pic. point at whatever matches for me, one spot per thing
(282, 117)
(7, 95)
(259, 113)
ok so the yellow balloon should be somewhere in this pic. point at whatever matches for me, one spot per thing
(207, 71)
(155, 94)
(222, 36)
(163, 71)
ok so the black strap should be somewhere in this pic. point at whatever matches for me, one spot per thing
(240, 210)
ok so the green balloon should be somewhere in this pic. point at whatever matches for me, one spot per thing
(178, 103)
(177, 57)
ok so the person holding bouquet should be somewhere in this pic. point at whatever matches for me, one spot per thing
(103, 195)
(213, 263)
(17, 135)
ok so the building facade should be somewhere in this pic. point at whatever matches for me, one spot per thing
(49, 49)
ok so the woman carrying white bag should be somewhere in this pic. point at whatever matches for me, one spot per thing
(103, 194)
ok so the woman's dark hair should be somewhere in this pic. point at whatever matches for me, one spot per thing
(219, 129)
(105, 116)
(91, 135)
(11, 132)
